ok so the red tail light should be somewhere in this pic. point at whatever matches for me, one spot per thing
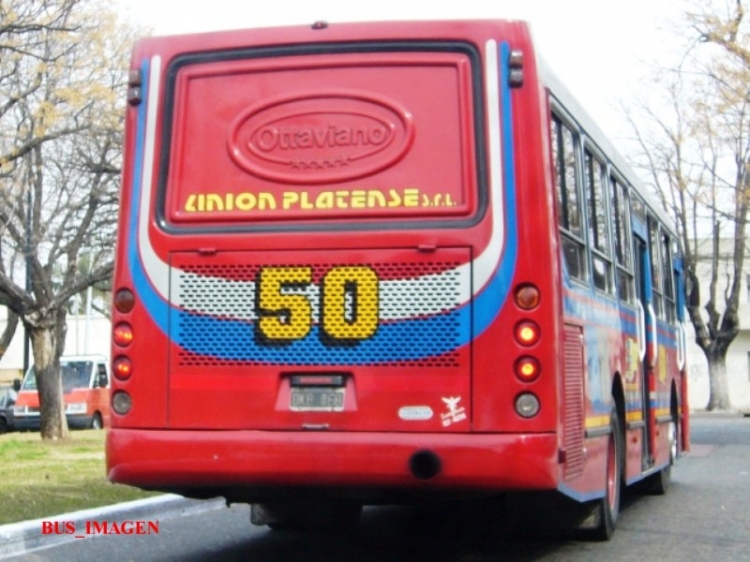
(124, 300)
(527, 333)
(528, 369)
(527, 297)
(122, 334)
(122, 368)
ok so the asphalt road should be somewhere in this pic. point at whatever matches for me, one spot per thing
(704, 516)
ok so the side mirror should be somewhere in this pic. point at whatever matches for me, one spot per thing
(102, 380)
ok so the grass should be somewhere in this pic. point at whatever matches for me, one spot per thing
(41, 479)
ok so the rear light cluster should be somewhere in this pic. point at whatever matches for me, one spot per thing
(527, 334)
(122, 336)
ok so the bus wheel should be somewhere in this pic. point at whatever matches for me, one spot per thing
(608, 508)
(96, 421)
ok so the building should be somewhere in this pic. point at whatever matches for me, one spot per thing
(86, 336)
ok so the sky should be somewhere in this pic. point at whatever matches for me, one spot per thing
(601, 49)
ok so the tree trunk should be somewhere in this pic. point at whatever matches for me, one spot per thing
(717, 376)
(8, 332)
(47, 341)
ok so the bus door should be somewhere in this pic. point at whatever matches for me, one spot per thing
(646, 334)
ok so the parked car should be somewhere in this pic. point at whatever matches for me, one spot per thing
(85, 382)
(7, 399)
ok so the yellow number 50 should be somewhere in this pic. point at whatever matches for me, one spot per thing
(283, 316)
(349, 303)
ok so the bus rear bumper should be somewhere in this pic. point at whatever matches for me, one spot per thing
(179, 460)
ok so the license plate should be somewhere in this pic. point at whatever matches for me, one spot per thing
(316, 398)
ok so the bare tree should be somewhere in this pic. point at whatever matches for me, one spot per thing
(695, 144)
(8, 332)
(63, 67)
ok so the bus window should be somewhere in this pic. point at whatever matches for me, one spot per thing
(300, 154)
(638, 209)
(669, 295)
(598, 222)
(622, 239)
(656, 266)
(570, 214)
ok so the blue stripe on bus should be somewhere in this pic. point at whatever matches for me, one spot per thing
(593, 315)
(613, 318)
(410, 340)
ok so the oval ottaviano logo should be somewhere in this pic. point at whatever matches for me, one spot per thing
(320, 137)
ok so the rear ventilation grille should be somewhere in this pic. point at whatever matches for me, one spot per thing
(573, 436)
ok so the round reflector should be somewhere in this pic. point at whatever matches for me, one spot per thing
(121, 402)
(527, 405)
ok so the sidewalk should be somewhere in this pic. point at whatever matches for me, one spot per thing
(706, 414)
(19, 538)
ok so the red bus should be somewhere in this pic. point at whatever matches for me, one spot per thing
(378, 263)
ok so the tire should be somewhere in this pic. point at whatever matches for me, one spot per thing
(608, 508)
(96, 421)
(3, 425)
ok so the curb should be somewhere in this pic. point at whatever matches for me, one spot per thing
(705, 414)
(23, 537)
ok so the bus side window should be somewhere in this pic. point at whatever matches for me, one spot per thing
(656, 266)
(623, 236)
(670, 307)
(569, 207)
(638, 209)
(598, 223)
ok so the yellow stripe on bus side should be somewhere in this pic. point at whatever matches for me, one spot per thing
(634, 416)
(597, 421)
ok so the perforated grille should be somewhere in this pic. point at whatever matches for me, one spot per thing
(322, 314)
(573, 402)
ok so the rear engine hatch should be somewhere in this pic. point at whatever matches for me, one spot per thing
(319, 339)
